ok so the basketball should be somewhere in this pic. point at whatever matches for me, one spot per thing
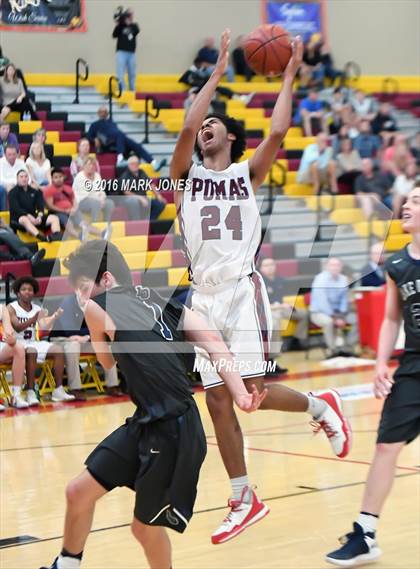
(268, 49)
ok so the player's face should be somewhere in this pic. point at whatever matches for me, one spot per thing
(411, 212)
(26, 293)
(87, 288)
(212, 136)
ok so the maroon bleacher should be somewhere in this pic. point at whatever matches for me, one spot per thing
(287, 268)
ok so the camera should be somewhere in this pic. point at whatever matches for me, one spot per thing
(120, 14)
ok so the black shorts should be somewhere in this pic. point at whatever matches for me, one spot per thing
(15, 225)
(160, 461)
(400, 419)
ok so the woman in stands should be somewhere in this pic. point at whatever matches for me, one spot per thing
(83, 151)
(38, 166)
(12, 353)
(13, 94)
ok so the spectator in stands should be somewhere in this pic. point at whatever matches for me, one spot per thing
(72, 334)
(26, 317)
(208, 55)
(18, 251)
(404, 183)
(329, 304)
(372, 188)
(7, 138)
(40, 135)
(415, 147)
(108, 137)
(312, 72)
(349, 164)
(10, 165)
(13, 95)
(14, 354)
(383, 123)
(398, 155)
(373, 273)
(90, 196)
(310, 114)
(366, 143)
(83, 151)
(338, 138)
(133, 186)
(339, 114)
(240, 64)
(60, 200)
(38, 166)
(27, 211)
(281, 310)
(363, 106)
(126, 32)
(330, 72)
(317, 166)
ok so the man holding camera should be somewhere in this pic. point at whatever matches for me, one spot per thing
(126, 32)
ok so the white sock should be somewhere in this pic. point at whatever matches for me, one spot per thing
(120, 158)
(68, 562)
(238, 484)
(16, 390)
(369, 522)
(316, 406)
(154, 163)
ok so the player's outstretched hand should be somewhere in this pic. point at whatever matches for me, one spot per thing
(382, 382)
(296, 59)
(223, 59)
(251, 401)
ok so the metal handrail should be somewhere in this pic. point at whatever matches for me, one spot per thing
(272, 184)
(80, 77)
(351, 75)
(148, 114)
(111, 94)
(9, 277)
(393, 83)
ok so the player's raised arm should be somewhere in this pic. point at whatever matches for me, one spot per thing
(98, 321)
(387, 339)
(181, 159)
(266, 152)
(197, 332)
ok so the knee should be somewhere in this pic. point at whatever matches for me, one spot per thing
(219, 403)
(141, 532)
(74, 493)
(18, 350)
(389, 449)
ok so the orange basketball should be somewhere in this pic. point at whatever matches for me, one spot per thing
(268, 49)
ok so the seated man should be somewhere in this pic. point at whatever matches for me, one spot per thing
(317, 166)
(27, 211)
(10, 165)
(132, 193)
(18, 250)
(7, 138)
(281, 310)
(366, 143)
(209, 54)
(25, 318)
(60, 201)
(71, 332)
(310, 114)
(383, 123)
(107, 137)
(373, 273)
(372, 188)
(329, 305)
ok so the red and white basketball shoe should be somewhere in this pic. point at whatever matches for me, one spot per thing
(241, 516)
(334, 423)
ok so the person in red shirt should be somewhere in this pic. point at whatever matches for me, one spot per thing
(59, 199)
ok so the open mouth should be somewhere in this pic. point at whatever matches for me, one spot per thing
(406, 215)
(207, 135)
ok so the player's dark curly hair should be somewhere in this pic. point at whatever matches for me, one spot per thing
(233, 127)
(94, 258)
(17, 285)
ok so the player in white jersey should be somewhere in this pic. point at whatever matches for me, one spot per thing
(220, 222)
(25, 318)
(12, 353)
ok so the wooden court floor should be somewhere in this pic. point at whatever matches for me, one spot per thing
(313, 496)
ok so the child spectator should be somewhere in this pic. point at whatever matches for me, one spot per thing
(38, 166)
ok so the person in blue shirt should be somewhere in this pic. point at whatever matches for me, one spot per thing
(208, 55)
(366, 143)
(310, 113)
(329, 303)
(317, 166)
(106, 135)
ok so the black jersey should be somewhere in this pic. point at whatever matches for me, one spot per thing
(146, 347)
(405, 272)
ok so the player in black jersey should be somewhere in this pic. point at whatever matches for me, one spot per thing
(158, 452)
(400, 420)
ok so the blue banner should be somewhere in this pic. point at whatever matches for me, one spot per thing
(298, 18)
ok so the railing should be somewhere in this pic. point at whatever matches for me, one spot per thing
(80, 77)
(273, 185)
(320, 211)
(148, 114)
(9, 277)
(111, 94)
(390, 88)
(352, 72)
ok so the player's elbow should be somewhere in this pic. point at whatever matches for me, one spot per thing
(277, 135)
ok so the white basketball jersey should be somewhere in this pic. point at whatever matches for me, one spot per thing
(30, 334)
(220, 223)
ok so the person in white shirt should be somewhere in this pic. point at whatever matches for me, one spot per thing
(404, 183)
(363, 106)
(83, 151)
(38, 166)
(10, 165)
(89, 194)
